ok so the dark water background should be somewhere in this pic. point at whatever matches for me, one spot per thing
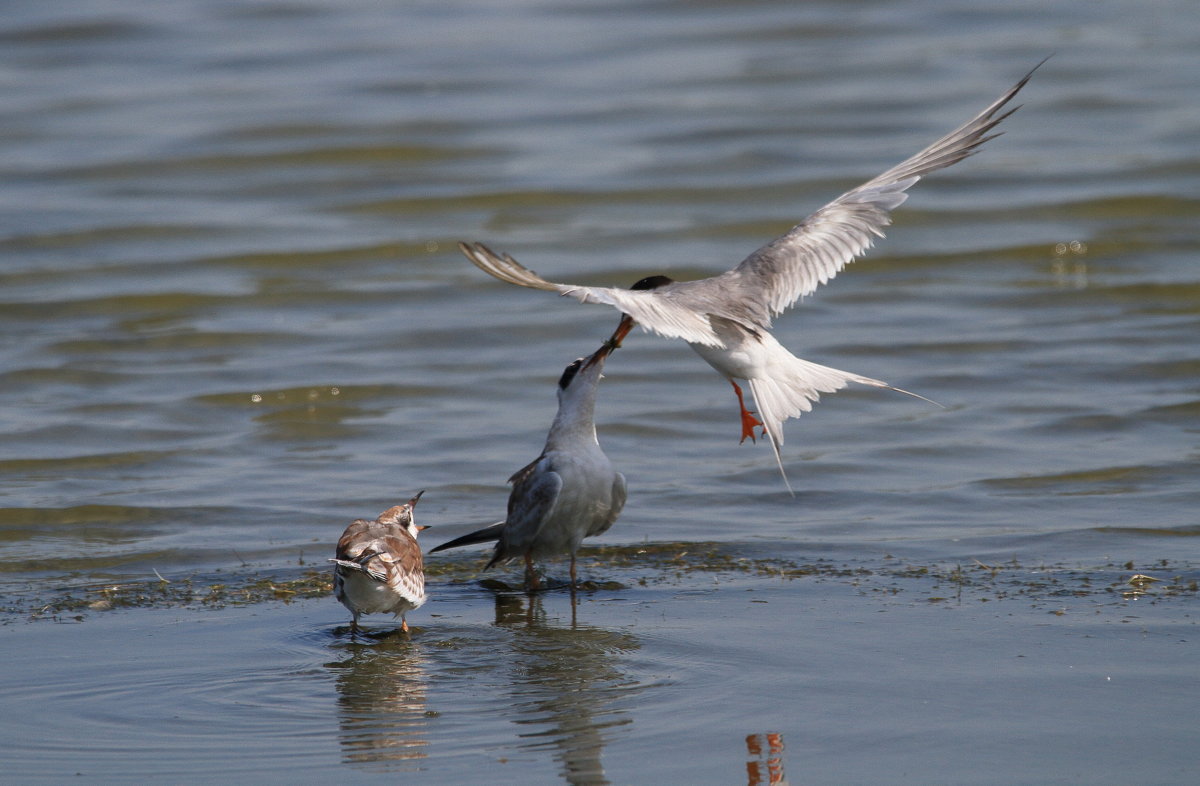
(232, 319)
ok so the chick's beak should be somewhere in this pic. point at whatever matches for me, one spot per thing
(598, 356)
(413, 502)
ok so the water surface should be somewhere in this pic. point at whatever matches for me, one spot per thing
(233, 318)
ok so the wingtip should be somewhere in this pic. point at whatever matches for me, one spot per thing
(488, 534)
(442, 547)
(1028, 75)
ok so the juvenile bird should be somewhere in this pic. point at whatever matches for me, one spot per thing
(569, 492)
(378, 565)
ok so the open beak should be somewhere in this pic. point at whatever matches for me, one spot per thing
(599, 355)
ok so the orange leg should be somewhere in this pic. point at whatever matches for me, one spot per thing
(531, 577)
(404, 625)
(748, 420)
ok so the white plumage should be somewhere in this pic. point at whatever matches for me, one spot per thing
(727, 318)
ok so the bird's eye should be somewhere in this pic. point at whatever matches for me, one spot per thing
(569, 373)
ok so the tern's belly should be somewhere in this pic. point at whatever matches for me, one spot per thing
(733, 361)
(584, 508)
(570, 524)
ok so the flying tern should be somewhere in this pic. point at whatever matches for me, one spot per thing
(727, 318)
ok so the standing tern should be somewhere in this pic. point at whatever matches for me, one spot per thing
(379, 567)
(569, 492)
(727, 318)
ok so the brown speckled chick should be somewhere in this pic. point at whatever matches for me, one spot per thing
(379, 565)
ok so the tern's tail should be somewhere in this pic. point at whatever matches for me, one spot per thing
(793, 388)
(485, 535)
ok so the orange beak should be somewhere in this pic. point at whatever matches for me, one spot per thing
(621, 332)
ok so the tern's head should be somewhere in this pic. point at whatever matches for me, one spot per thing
(583, 373)
(627, 323)
(577, 388)
(653, 282)
(402, 515)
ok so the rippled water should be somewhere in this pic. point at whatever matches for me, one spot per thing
(232, 319)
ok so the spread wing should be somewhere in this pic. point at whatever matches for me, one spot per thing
(815, 250)
(667, 310)
(781, 272)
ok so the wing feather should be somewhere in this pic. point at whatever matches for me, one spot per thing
(665, 311)
(530, 505)
(815, 250)
(619, 495)
(781, 272)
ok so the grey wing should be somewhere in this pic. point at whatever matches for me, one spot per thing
(666, 311)
(617, 505)
(815, 250)
(530, 506)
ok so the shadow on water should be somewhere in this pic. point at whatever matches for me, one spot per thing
(566, 683)
(381, 707)
(560, 682)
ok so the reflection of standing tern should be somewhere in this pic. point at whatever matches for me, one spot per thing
(727, 318)
(569, 492)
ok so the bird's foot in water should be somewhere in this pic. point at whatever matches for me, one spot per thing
(532, 582)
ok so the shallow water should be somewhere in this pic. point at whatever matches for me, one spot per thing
(232, 319)
(723, 677)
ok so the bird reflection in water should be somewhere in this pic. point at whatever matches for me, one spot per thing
(566, 683)
(764, 760)
(382, 714)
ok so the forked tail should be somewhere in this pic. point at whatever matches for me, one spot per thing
(793, 390)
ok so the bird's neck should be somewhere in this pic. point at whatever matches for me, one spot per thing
(574, 423)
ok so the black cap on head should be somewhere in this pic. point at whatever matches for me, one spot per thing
(652, 282)
(569, 374)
